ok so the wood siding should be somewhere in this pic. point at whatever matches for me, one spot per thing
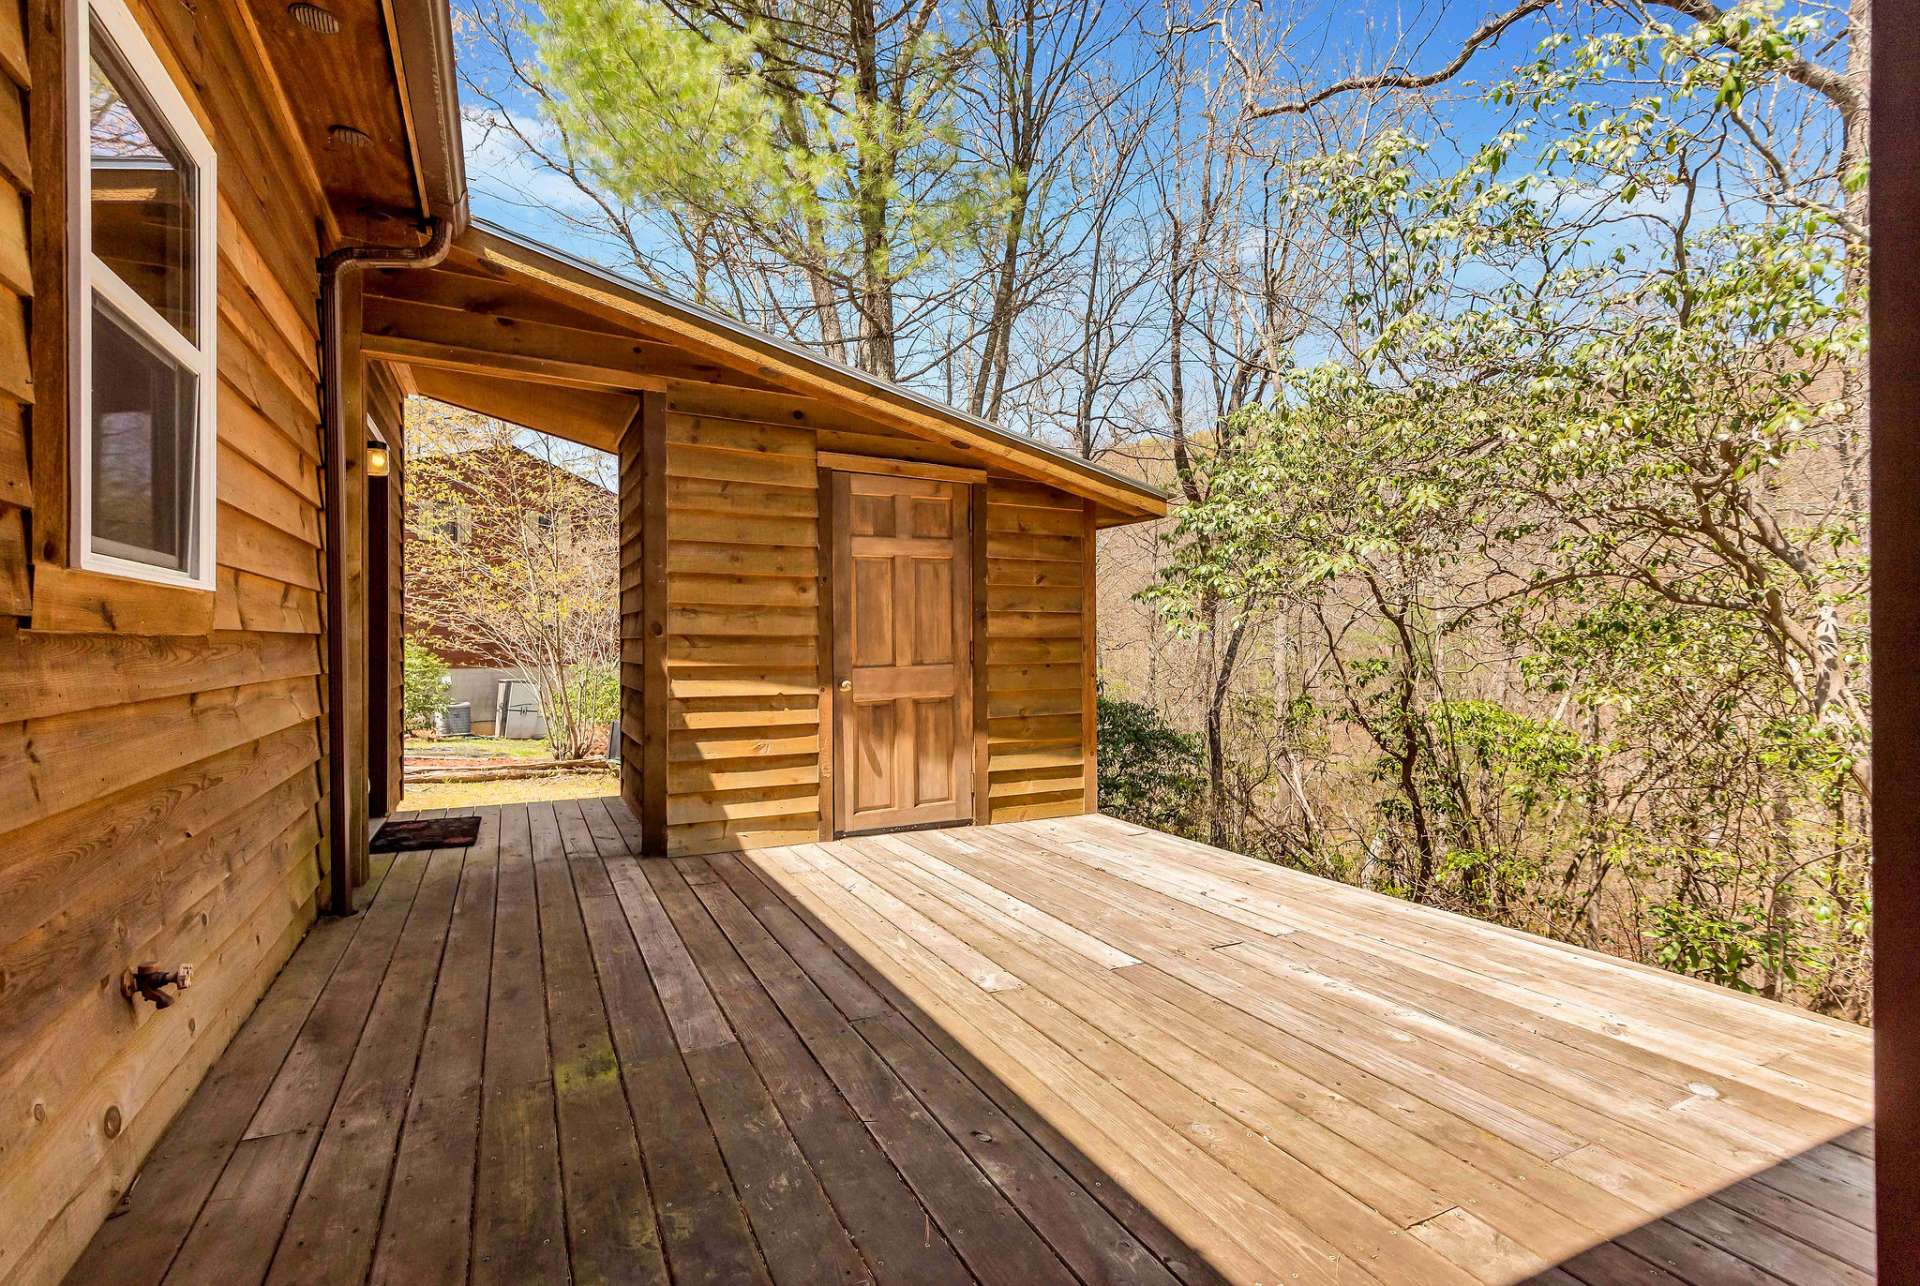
(743, 634)
(159, 749)
(1039, 687)
(746, 574)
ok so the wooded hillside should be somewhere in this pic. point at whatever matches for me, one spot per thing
(1509, 368)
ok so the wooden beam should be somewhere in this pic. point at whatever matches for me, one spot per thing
(594, 418)
(381, 534)
(892, 468)
(498, 336)
(977, 644)
(1894, 304)
(352, 604)
(480, 361)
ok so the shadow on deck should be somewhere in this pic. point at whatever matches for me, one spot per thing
(1050, 1051)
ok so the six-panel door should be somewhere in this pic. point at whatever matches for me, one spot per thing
(903, 610)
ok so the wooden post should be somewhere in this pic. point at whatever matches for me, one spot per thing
(380, 649)
(344, 833)
(826, 554)
(1895, 380)
(1089, 662)
(353, 548)
(643, 621)
(977, 649)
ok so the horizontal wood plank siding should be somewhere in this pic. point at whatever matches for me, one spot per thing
(159, 766)
(1039, 719)
(742, 603)
(745, 570)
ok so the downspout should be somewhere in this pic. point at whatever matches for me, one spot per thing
(334, 433)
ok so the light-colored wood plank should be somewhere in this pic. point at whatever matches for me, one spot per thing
(1256, 1074)
(888, 466)
(81, 756)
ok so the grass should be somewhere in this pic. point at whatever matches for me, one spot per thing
(481, 747)
(422, 795)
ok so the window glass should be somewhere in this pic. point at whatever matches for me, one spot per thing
(143, 191)
(145, 456)
(144, 225)
(457, 527)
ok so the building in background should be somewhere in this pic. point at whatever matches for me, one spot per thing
(484, 524)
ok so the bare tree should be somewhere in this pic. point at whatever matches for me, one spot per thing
(512, 546)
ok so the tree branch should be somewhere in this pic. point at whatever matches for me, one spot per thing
(1488, 32)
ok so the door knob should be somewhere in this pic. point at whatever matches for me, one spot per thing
(846, 685)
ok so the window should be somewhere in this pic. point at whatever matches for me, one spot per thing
(457, 527)
(143, 219)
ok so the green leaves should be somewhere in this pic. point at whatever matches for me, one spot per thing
(1150, 772)
(1572, 514)
(744, 122)
(424, 678)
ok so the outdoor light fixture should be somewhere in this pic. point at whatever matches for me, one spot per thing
(379, 459)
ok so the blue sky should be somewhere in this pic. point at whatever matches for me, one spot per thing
(1328, 40)
(1325, 41)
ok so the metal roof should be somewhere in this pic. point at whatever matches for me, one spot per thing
(720, 321)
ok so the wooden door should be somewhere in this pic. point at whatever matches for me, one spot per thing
(903, 611)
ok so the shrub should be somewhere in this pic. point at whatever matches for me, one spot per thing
(1151, 773)
(424, 681)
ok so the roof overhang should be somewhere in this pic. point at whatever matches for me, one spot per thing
(367, 90)
(399, 82)
(421, 33)
(712, 337)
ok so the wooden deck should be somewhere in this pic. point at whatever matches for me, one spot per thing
(1045, 1051)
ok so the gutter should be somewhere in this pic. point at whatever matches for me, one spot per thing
(332, 269)
(421, 32)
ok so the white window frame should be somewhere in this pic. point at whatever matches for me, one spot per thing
(89, 278)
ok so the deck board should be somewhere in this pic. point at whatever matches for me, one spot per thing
(1063, 1050)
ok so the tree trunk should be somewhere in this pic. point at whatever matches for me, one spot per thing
(873, 297)
(1219, 834)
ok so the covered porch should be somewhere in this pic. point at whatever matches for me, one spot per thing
(1049, 1050)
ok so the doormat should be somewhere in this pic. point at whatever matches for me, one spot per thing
(427, 832)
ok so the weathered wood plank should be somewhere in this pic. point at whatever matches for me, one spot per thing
(244, 1217)
(331, 1230)
(702, 1227)
(137, 1247)
(519, 1232)
(611, 1234)
(840, 1158)
(434, 1163)
(793, 1064)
